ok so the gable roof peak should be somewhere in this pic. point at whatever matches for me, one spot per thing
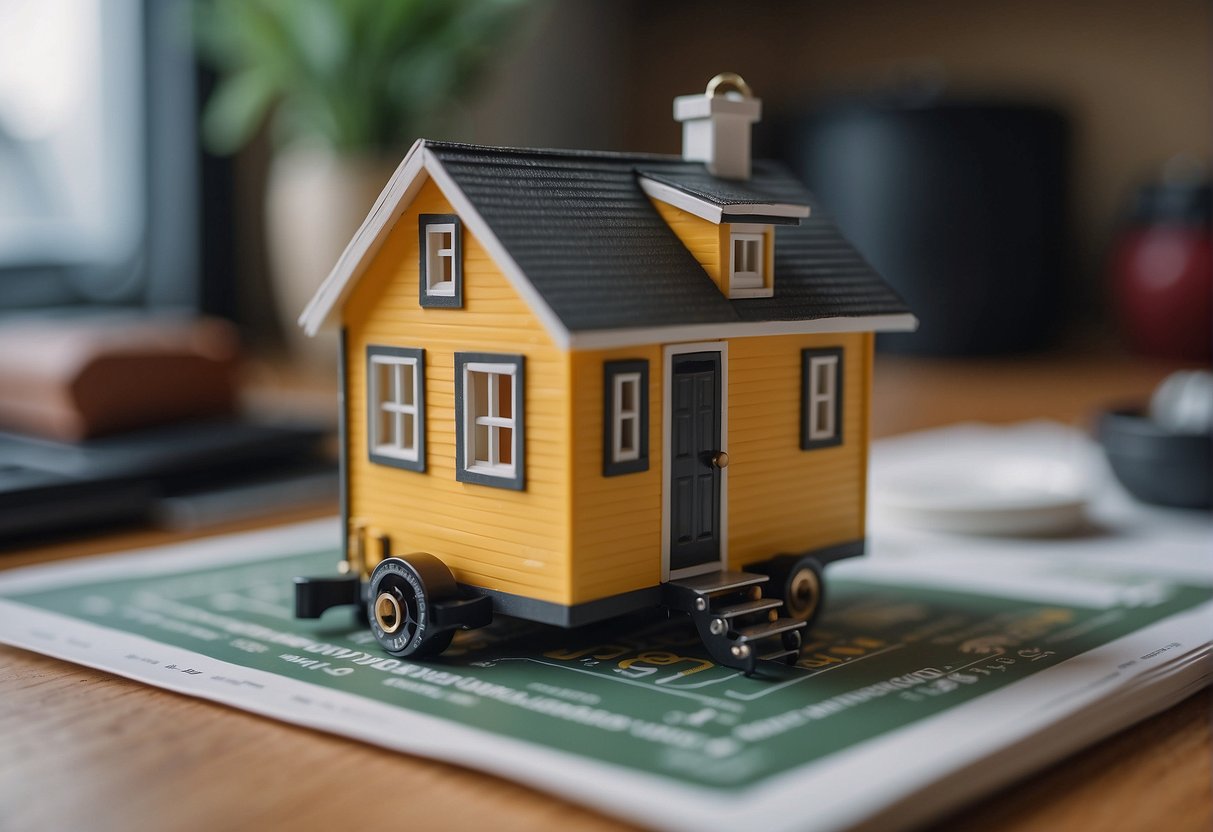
(577, 237)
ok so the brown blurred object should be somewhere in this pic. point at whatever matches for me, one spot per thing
(77, 379)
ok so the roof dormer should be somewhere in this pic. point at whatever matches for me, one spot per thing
(724, 210)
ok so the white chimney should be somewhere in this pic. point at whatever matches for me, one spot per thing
(716, 125)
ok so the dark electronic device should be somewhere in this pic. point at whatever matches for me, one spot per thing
(960, 205)
(48, 486)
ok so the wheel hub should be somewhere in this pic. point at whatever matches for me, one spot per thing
(388, 614)
(804, 592)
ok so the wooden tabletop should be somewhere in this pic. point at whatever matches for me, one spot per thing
(83, 749)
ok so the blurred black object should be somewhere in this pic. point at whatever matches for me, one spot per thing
(1157, 465)
(176, 473)
(960, 206)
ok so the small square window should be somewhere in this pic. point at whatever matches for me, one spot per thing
(821, 398)
(396, 407)
(441, 269)
(625, 417)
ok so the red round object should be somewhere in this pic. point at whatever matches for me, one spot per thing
(1162, 277)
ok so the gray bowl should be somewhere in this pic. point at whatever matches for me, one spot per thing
(1156, 465)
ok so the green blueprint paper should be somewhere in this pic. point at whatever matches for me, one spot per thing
(635, 692)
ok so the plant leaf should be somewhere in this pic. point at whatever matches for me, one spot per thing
(236, 110)
(364, 75)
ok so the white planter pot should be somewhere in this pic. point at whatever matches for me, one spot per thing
(315, 201)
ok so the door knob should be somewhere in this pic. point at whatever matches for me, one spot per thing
(720, 460)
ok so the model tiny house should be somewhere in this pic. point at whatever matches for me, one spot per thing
(579, 384)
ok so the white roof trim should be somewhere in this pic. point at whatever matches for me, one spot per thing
(393, 201)
(611, 338)
(404, 184)
(714, 213)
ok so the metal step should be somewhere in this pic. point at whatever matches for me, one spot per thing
(694, 595)
(779, 655)
(747, 607)
(768, 629)
(715, 583)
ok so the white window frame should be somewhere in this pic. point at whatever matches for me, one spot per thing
(392, 402)
(493, 467)
(435, 254)
(818, 397)
(755, 282)
(621, 418)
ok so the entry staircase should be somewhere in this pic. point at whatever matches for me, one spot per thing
(740, 627)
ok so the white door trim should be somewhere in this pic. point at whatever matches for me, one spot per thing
(668, 353)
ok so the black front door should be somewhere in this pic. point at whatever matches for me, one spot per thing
(694, 441)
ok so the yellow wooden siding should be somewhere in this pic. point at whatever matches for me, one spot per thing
(780, 498)
(513, 541)
(616, 520)
(706, 241)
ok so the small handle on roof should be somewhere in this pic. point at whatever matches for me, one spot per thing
(728, 79)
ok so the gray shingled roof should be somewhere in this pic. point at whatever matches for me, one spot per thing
(763, 188)
(596, 250)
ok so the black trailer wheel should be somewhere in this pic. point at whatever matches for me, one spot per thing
(804, 589)
(399, 605)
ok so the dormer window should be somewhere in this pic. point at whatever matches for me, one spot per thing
(749, 261)
(441, 269)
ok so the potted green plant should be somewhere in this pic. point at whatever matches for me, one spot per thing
(344, 87)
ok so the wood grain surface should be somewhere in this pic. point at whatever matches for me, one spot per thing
(85, 750)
